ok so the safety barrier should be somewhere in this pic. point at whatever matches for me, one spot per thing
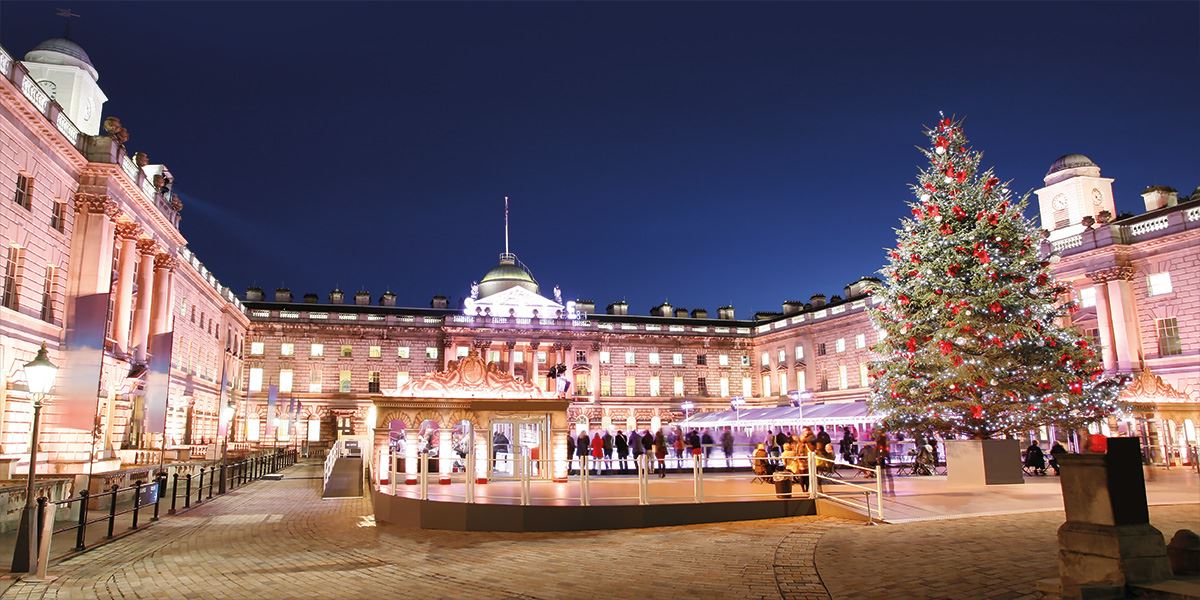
(817, 464)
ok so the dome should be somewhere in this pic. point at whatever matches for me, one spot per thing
(1071, 161)
(509, 273)
(61, 51)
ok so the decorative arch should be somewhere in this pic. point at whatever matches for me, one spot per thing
(386, 417)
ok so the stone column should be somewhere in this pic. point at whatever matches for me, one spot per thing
(1126, 336)
(160, 316)
(90, 270)
(531, 369)
(140, 338)
(569, 361)
(1108, 350)
(127, 234)
(594, 377)
(449, 351)
(511, 365)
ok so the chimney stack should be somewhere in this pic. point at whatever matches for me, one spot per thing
(1160, 196)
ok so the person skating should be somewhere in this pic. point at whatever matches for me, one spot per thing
(660, 452)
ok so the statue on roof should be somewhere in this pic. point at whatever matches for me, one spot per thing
(557, 295)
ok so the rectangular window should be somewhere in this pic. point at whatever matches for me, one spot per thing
(316, 350)
(677, 359)
(747, 387)
(1093, 336)
(766, 359)
(745, 360)
(581, 357)
(314, 380)
(49, 293)
(541, 357)
(461, 351)
(1087, 297)
(605, 357)
(824, 382)
(863, 375)
(1160, 283)
(724, 387)
(344, 382)
(287, 349)
(373, 382)
(24, 195)
(783, 383)
(801, 384)
(257, 348)
(653, 357)
(402, 352)
(630, 358)
(285, 380)
(677, 388)
(840, 345)
(13, 271)
(860, 340)
(256, 374)
(766, 385)
(58, 216)
(702, 359)
(431, 352)
(581, 384)
(782, 356)
(821, 349)
(401, 378)
(518, 357)
(1169, 342)
(701, 386)
(799, 353)
(630, 385)
(374, 352)
(654, 385)
(494, 356)
(347, 350)
(605, 385)
(723, 360)
(843, 378)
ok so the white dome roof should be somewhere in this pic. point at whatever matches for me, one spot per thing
(1071, 165)
(61, 51)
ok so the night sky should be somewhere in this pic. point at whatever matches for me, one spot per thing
(701, 153)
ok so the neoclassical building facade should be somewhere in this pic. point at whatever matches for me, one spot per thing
(85, 218)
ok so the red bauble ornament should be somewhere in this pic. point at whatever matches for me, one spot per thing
(995, 308)
(903, 300)
(911, 344)
(946, 229)
(1076, 387)
(977, 411)
(952, 270)
(917, 213)
(958, 212)
(990, 183)
(946, 347)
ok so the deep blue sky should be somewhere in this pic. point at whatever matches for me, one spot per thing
(703, 153)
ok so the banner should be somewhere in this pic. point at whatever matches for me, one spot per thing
(272, 396)
(224, 410)
(158, 382)
(76, 401)
(293, 412)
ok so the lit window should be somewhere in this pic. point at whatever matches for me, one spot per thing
(882, 334)
(58, 218)
(843, 379)
(701, 386)
(373, 382)
(821, 349)
(541, 357)
(1169, 342)
(344, 382)
(860, 340)
(630, 385)
(287, 349)
(766, 385)
(1160, 283)
(256, 376)
(863, 375)
(605, 357)
(745, 360)
(402, 352)
(401, 378)
(747, 387)
(518, 356)
(494, 356)
(314, 379)
(374, 352)
(725, 387)
(678, 385)
(653, 358)
(783, 383)
(840, 345)
(654, 385)
(782, 356)
(723, 360)
(316, 350)
(1087, 297)
(630, 358)
(256, 348)
(430, 352)
(799, 352)
(677, 359)
(766, 359)
(801, 384)
(605, 385)
(285, 380)
(24, 195)
(461, 351)
(347, 350)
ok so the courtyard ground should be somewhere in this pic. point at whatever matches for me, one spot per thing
(278, 539)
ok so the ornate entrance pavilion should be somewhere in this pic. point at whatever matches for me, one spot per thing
(471, 405)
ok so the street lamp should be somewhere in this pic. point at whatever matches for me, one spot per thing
(687, 409)
(39, 377)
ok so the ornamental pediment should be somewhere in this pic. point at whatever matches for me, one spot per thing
(1148, 387)
(470, 377)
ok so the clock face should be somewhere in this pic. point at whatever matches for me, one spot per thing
(49, 87)
(1097, 197)
(89, 108)
(1060, 202)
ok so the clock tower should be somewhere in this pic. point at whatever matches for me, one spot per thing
(1074, 189)
(66, 74)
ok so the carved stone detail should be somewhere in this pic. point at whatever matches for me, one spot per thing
(96, 203)
(1148, 387)
(470, 376)
(1117, 273)
(165, 261)
(128, 230)
(147, 246)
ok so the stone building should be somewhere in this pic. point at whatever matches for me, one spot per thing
(93, 264)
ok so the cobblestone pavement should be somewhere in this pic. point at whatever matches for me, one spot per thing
(976, 557)
(278, 540)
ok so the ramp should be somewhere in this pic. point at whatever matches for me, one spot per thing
(345, 479)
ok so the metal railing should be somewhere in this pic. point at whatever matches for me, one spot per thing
(88, 520)
(818, 464)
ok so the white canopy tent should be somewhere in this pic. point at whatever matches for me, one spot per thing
(807, 415)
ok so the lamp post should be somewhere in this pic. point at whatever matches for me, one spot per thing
(736, 404)
(687, 407)
(39, 376)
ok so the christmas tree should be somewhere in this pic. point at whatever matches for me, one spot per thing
(971, 318)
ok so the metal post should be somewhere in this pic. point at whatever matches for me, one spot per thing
(813, 481)
(80, 533)
(696, 494)
(187, 491)
(212, 473)
(174, 492)
(584, 481)
(112, 510)
(200, 487)
(879, 491)
(523, 465)
(424, 474)
(41, 520)
(160, 480)
(25, 556)
(137, 502)
(470, 476)
(392, 464)
(644, 479)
